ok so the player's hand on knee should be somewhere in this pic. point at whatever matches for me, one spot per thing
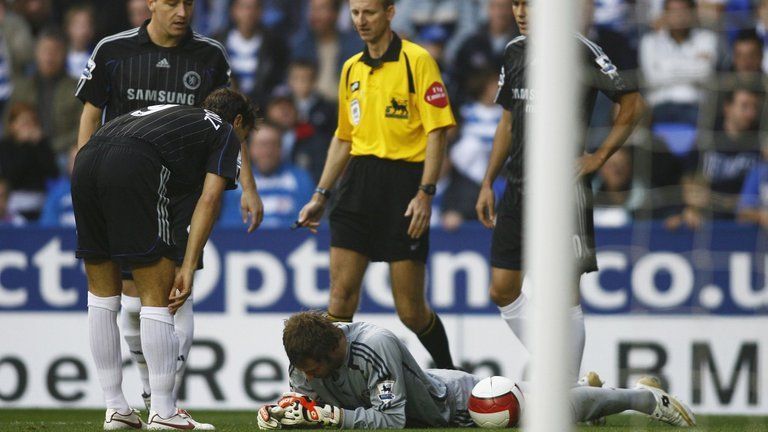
(269, 417)
(181, 290)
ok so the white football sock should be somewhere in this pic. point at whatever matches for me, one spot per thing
(184, 325)
(104, 338)
(515, 315)
(160, 346)
(578, 338)
(590, 403)
(129, 320)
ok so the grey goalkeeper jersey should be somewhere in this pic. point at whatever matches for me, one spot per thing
(380, 385)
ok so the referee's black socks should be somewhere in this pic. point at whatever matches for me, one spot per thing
(435, 340)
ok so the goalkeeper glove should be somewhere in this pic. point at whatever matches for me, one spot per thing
(300, 410)
(269, 417)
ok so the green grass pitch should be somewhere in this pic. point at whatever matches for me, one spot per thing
(241, 421)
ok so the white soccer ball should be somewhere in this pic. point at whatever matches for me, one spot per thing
(495, 403)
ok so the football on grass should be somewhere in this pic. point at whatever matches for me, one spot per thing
(495, 403)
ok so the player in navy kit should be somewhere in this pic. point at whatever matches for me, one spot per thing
(123, 182)
(518, 99)
(160, 62)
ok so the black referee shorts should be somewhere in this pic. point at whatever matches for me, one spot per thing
(119, 195)
(369, 215)
(507, 241)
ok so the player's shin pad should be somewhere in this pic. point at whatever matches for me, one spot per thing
(301, 411)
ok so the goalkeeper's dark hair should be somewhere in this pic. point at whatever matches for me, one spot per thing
(228, 103)
(310, 335)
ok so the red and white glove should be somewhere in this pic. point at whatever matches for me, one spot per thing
(299, 410)
(269, 417)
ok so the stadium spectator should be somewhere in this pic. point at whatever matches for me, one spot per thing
(433, 38)
(616, 194)
(17, 48)
(210, 16)
(762, 30)
(469, 155)
(484, 49)
(259, 58)
(745, 71)
(321, 43)
(137, 12)
(58, 211)
(37, 13)
(316, 119)
(8, 217)
(389, 144)
(720, 164)
(78, 23)
(675, 61)
(753, 200)
(363, 377)
(49, 89)
(460, 18)
(283, 187)
(26, 160)
(281, 112)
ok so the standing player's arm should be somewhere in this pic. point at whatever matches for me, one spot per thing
(335, 162)
(203, 218)
(90, 120)
(420, 207)
(502, 141)
(250, 202)
(631, 110)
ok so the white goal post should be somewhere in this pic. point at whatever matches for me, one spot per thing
(552, 134)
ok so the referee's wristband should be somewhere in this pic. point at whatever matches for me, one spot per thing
(324, 192)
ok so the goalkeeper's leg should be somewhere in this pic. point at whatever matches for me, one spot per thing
(589, 403)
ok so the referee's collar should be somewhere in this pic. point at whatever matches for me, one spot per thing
(392, 54)
(144, 35)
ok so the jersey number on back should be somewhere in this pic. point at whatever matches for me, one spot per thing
(150, 110)
(213, 118)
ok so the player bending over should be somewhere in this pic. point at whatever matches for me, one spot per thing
(360, 376)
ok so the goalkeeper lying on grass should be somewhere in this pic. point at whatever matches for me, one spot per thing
(360, 376)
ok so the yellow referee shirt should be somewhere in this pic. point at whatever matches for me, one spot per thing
(387, 106)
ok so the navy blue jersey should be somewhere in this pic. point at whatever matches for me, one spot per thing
(191, 142)
(599, 74)
(127, 71)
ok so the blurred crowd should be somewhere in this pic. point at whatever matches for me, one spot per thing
(699, 154)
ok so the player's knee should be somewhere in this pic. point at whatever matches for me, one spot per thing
(413, 320)
(502, 296)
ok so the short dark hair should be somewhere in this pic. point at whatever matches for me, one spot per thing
(749, 35)
(730, 96)
(310, 335)
(691, 3)
(228, 103)
(305, 64)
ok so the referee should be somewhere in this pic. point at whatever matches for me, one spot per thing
(123, 181)
(517, 99)
(161, 62)
(393, 117)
